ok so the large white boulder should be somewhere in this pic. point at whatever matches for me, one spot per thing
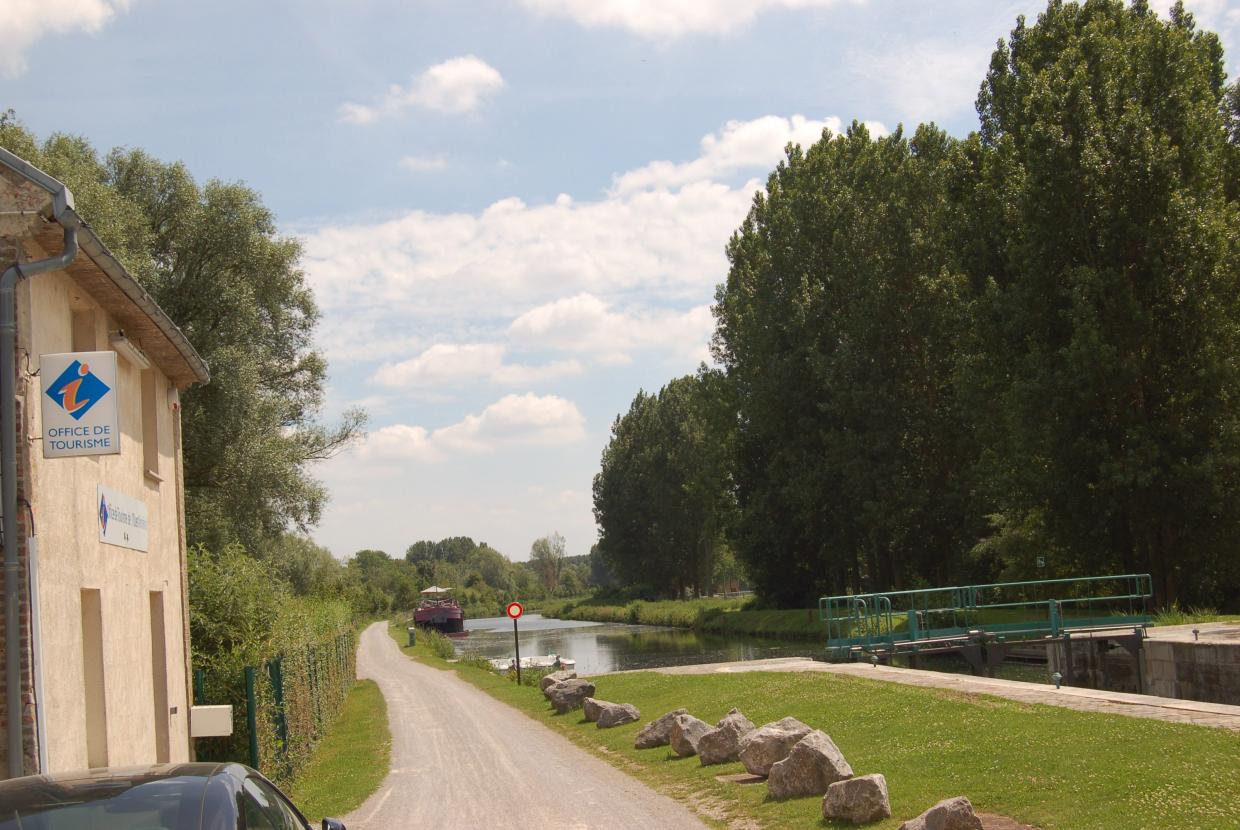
(616, 714)
(658, 732)
(549, 680)
(568, 695)
(723, 743)
(859, 800)
(949, 814)
(813, 765)
(767, 745)
(686, 732)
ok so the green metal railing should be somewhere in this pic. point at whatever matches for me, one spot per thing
(911, 620)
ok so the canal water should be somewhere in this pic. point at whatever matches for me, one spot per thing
(604, 647)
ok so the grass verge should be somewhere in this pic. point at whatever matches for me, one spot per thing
(1054, 768)
(352, 759)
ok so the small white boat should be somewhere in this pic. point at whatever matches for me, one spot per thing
(550, 661)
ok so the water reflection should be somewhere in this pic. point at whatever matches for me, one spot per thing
(603, 647)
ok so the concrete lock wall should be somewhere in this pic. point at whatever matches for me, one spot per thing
(1193, 671)
(115, 679)
(1207, 672)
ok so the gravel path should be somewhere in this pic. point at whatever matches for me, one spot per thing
(462, 759)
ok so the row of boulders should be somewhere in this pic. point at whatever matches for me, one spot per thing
(567, 692)
(796, 760)
(607, 715)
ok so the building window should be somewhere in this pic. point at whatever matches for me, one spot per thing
(159, 677)
(84, 331)
(150, 423)
(95, 693)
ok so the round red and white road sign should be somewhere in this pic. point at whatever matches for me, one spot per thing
(515, 609)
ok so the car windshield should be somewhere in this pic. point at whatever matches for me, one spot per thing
(115, 804)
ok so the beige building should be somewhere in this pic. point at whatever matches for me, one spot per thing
(103, 655)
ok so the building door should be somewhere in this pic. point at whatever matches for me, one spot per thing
(159, 676)
(95, 700)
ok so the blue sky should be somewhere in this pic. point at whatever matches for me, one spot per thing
(514, 213)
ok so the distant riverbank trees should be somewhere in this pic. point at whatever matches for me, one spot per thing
(1010, 355)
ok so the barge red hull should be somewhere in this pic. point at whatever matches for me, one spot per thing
(443, 615)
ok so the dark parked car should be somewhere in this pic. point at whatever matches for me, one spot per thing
(204, 796)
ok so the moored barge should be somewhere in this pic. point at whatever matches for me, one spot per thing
(440, 612)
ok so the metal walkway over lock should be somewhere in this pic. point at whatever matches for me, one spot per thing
(980, 621)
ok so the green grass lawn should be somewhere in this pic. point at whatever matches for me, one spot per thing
(1057, 769)
(351, 761)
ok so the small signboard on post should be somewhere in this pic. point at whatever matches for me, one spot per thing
(79, 404)
(515, 610)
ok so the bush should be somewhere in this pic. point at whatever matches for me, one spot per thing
(438, 643)
(1174, 615)
(302, 650)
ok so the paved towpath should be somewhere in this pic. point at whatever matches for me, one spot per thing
(463, 760)
(1090, 700)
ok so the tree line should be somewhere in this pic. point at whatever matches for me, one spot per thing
(944, 360)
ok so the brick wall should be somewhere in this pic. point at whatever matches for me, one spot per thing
(27, 682)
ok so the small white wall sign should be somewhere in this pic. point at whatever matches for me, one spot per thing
(121, 519)
(79, 404)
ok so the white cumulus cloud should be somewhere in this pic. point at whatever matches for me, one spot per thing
(596, 279)
(456, 86)
(739, 146)
(24, 22)
(585, 324)
(927, 81)
(512, 421)
(459, 272)
(450, 364)
(667, 19)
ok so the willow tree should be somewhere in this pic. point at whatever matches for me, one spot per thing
(213, 258)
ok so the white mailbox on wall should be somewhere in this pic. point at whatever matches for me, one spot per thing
(210, 721)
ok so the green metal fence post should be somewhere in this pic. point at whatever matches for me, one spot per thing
(200, 687)
(251, 714)
(315, 692)
(276, 671)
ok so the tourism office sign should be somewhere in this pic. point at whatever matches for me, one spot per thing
(79, 404)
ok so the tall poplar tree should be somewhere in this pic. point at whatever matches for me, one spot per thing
(838, 327)
(1104, 224)
(663, 498)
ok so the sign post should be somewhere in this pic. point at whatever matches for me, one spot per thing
(515, 610)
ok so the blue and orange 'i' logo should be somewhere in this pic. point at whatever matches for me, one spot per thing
(77, 389)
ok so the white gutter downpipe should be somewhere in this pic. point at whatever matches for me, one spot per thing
(8, 471)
